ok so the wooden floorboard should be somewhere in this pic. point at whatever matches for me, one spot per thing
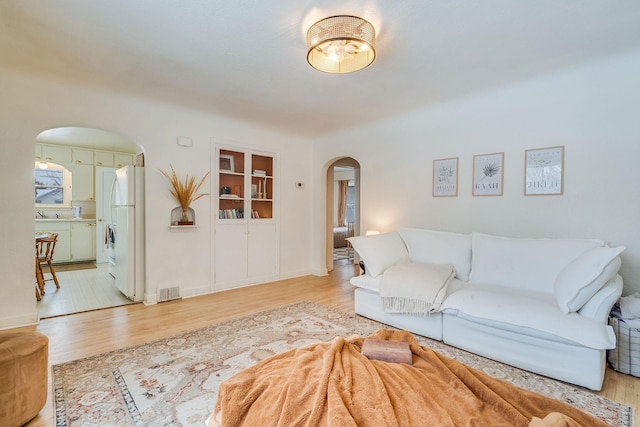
(85, 334)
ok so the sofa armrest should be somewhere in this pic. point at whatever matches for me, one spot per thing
(599, 306)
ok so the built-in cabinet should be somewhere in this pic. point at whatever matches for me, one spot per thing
(112, 160)
(62, 252)
(54, 154)
(82, 156)
(120, 159)
(103, 158)
(83, 241)
(246, 230)
(76, 239)
(82, 177)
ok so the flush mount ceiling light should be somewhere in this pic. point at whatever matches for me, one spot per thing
(341, 44)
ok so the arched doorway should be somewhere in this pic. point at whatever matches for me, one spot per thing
(342, 210)
(91, 156)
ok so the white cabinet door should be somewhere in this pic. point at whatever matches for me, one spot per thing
(262, 252)
(230, 255)
(121, 160)
(104, 181)
(82, 156)
(57, 154)
(103, 158)
(82, 179)
(83, 245)
(62, 252)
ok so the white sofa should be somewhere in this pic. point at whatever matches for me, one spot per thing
(538, 304)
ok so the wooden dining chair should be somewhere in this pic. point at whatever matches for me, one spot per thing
(45, 248)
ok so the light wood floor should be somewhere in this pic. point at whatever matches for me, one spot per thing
(86, 334)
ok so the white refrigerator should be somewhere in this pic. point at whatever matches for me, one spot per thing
(126, 249)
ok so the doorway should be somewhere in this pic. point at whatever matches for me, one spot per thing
(343, 211)
(91, 156)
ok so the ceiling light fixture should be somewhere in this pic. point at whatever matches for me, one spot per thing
(341, 44)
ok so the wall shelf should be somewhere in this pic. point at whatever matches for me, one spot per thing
(173, 228)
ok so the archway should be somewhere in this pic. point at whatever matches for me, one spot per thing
(92, 157)
(342, 169)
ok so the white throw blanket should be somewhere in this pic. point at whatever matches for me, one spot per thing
(415, 287)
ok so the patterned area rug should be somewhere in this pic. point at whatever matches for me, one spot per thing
(174, 381)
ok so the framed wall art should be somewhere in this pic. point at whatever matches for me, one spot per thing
(227, 163)
(543, 171)
(445, 177)
(488, 174)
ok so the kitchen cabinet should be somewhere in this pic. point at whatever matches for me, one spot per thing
(83, 182)
(246, 232)
(103, 158)
(57, 154)
(62, 252)
(82, 156)
(83, 241)
(76, 239)
(120, 159)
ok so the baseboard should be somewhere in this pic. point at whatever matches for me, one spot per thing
(319, 272)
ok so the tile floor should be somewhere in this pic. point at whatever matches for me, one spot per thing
(80, 290)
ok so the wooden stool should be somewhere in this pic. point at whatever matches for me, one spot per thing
(24, 372)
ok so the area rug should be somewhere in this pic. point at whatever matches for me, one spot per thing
(71, 267)
(174, 381)
(342, 253)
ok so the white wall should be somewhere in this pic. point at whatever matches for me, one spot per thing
(29, 106)
(591, 109)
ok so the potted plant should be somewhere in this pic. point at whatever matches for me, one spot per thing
(185, 192)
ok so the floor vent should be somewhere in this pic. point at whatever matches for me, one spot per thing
(168, 294)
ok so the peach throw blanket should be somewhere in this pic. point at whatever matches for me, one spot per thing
(333, 384)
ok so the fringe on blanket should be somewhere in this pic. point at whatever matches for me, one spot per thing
(408, 306)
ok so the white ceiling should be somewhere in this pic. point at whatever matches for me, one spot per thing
(88, 138)
(247, 58)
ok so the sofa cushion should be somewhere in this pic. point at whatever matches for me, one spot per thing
(365, 281)
(528, 309)
(585, 275)
(380, 251)
(531, 264)
(439, 247)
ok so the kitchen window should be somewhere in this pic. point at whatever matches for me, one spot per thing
(52, 186)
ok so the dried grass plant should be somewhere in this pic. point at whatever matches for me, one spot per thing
(185, 192)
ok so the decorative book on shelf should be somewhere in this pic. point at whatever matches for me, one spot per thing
(387, 351)
(231, 213)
